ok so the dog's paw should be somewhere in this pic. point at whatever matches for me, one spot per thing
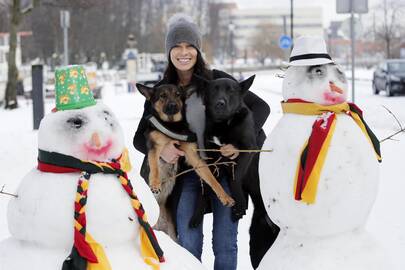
(155, 188)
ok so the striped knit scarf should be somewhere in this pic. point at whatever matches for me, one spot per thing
(316, 147)
(86, 253)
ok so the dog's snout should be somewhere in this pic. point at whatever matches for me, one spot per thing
(220, 104)
(171, 108)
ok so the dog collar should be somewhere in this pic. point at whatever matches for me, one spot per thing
(190, 137)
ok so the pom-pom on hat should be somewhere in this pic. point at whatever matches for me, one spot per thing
(182, 28)
(72, 90)
(309, 51)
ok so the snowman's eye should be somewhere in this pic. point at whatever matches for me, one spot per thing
(76, 122)
(317, 71)
(340, 74)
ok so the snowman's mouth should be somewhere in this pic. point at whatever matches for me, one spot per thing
(99, 150)
(334, 94)
(333, 98)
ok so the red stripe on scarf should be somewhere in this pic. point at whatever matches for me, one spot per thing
(44, 167)
(84, 248)
(297, 100)
(320, 130)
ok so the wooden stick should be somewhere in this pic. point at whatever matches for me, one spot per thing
(233, 163)
(236, 150)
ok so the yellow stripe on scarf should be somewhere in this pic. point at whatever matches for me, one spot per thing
(357, 119)
(309, 193)
(313, 108)
(148, 252)
(103, 263)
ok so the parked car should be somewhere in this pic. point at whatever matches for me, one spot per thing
(390, 77)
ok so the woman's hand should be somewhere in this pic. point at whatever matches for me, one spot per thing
(229, 151)
(170, 153)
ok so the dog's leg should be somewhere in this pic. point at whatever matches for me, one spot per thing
(154, 175)
(204, 172)
(158, 141)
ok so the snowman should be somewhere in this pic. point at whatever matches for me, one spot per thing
(78, 209)
(320, 182)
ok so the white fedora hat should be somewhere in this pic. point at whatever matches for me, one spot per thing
(309, 51)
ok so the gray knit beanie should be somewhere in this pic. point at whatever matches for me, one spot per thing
(182, 28)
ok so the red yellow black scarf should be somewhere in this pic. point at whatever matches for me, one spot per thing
(86, 253)
(316, 147)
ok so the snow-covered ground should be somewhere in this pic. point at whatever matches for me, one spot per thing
(18, 154)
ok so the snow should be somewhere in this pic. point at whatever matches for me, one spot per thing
(386, 223)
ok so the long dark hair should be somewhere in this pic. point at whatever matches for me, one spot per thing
(200, 68)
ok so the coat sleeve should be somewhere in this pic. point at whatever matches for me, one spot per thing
(139, 140)
(259, 108)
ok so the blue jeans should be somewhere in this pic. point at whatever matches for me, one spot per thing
(224, 230)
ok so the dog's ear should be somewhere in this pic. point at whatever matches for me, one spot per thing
(145, 90)
(201, 81)
(246, 84)
(188, 90)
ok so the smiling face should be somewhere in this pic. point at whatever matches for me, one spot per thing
(91, 133)
(322, 84)
(183, 56)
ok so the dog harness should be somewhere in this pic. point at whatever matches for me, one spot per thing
(86, 253)
(165, 129)
(316, 147)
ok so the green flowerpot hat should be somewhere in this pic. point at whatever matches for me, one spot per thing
(72, 90)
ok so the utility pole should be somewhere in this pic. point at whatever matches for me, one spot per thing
(352, 35)
(292, 20)
(351, 7)
(65, 24)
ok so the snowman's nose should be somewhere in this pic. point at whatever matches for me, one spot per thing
(95, 140)
(335, 88)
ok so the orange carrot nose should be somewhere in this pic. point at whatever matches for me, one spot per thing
(335, 88)
(95, 140)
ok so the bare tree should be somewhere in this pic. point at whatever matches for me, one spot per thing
(389, 28)
(16, 16)
(265, 42)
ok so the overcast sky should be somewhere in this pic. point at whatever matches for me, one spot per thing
(329, 6)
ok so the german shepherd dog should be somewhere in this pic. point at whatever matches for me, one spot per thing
(168, 109)
(230, 121)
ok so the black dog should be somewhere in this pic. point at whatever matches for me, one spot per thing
(230, 121)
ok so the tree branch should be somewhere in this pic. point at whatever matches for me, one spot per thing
(6, 193)
(401, 128)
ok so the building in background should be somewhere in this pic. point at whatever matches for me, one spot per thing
(245, 24)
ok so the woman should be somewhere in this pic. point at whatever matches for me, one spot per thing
(183, 47)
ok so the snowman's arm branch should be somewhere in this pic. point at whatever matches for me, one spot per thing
(392, 135)
(395, 117)
(6, 193)
(401, 128)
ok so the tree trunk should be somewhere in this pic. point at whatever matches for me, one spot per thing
(11, 89)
